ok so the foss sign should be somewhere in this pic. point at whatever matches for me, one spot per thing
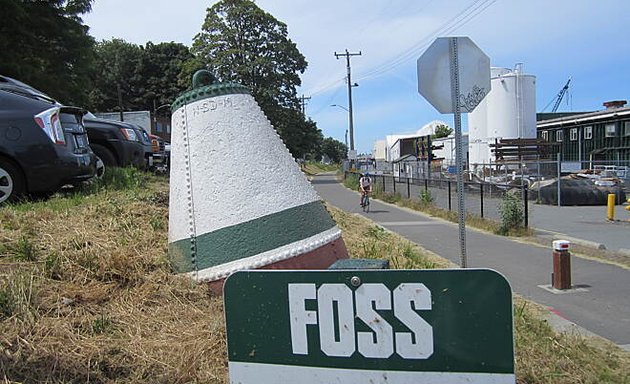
(339, 309)
(369, 326)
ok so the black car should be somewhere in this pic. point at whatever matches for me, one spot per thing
(117, 143)
(43, 144)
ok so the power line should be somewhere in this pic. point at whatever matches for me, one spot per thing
(459, 20)
(462, 18)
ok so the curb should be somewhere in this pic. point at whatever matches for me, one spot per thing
(562, 325)
(582, 242)
(544, 233)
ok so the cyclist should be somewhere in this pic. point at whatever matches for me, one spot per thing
(365, 186)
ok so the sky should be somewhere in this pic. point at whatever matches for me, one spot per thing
(584, 40)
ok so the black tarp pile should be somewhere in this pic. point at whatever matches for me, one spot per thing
(575, 192)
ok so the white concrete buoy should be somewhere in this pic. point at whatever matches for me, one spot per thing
(238, 199)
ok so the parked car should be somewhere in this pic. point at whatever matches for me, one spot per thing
(147, 144)
(160, 156)
(117, 143)
(43, 144)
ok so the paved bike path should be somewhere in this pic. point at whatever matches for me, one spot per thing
(601, 305)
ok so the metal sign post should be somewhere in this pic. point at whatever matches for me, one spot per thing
(369, 326)
(454, 55)
(449, 91)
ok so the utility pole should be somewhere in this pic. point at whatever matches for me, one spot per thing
(350, 85)
(303, 103)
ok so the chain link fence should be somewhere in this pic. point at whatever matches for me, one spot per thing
(481, 199)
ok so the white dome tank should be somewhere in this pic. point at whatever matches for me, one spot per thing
(508, 111)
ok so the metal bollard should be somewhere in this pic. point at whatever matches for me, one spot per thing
(561, 276)
(611, 206)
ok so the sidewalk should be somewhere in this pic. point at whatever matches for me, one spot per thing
(601, 305)
(585, 223)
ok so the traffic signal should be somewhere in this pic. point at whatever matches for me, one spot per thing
(423, 147)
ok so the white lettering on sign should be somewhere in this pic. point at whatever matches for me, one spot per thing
(338, 308)
(369, 298)
(413, 345)
(300, 317)
(336, 333)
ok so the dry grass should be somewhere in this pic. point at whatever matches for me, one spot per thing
(87, 295)
(365, 240)
(312, 168)
(545, 356)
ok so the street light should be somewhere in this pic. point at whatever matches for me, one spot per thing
(340, 106)
(155, 112)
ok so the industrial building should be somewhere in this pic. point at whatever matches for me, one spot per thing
(506, 133)
(587, 138)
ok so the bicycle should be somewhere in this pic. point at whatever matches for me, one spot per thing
(365, 202)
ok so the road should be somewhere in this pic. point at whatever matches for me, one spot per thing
(601, 304)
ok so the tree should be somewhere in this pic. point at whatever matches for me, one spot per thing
(240, 42)
(148, 76)
(161, 67)
(46, 44)
(302, 137)
(441, 131)
(334, 149)
(117, 72)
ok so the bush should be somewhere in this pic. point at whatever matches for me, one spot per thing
(352, 181)
(512, 214)
(390, 197)
(425, 197)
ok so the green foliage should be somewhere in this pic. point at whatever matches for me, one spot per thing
(390, 197)
(7, 305)
(46, 45)
(334, 149)
(18, 295)
(52, 266)
(242, 43)
(441, 131)
(101, 324)
(25, 250)
(146, 76)
(512, 214)
(376, 232)
(426, 197)
(352, 181)
(302, 137)
(116, 179)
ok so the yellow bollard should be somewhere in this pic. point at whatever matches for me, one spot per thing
(611, 206)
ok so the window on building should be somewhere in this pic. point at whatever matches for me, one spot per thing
(611, 130)
(588, 132)
(573, 134)
(559, 135)
(545, 135)
(626, 128)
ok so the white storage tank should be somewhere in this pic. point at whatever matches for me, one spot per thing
(507, 112)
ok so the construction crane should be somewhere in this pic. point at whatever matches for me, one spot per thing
(558, 98)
